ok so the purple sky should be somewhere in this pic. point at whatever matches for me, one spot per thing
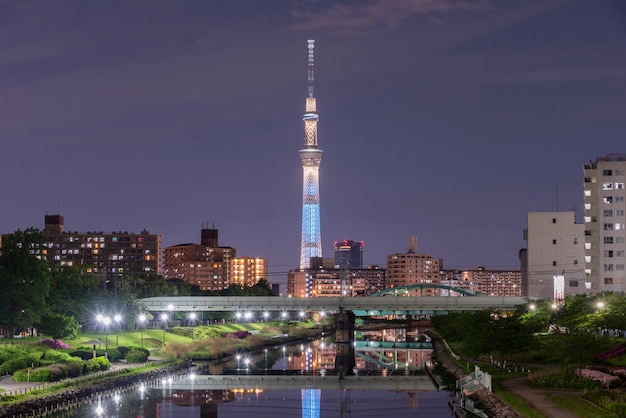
(445, 119)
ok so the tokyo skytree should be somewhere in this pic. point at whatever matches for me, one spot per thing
(311, 157)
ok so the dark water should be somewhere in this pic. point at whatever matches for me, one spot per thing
(269, 384)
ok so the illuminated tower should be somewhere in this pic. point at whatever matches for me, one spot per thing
(311, 157)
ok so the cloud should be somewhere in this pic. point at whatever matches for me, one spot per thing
(354, 20)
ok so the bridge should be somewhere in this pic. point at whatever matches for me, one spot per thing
(231, 382)
(361, 306)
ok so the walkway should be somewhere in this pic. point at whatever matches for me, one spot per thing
(537, 398)
(8, 386)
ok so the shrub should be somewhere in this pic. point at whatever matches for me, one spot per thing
(8, 352)
(136, 356)
(11, 366)
(56, 344)
(123, 350)
(98, 364)
(82, 354)
(54, 356)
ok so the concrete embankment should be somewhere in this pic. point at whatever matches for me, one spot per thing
(485, 400)
(78, 395)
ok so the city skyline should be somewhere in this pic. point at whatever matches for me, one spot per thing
(442, 119)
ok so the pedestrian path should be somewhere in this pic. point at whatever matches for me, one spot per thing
(536, 397)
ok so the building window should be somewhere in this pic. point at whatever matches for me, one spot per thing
(608, 227)
(618, 172)
(575, 241)
(608, 267)
(619, 199)
(554, 263)
(608, 280)
(553, 242)
(607, 172)
(619, 240)
(619, 212)
(553, 220)
(608, 253)
(573, 283)
(607, 212)
(608, 240)
(619, 185)
(587, 192)
(619, 253)
(607, 186)
(575, 262)
(607, 199)
(619, 267)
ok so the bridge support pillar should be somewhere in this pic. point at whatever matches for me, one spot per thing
(344, 336)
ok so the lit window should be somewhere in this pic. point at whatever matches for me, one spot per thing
(619, 185)
(587, 192)
(587, 245)
(607, 186)
(606, 199)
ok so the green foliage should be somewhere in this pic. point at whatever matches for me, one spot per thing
(204, 331)
(10, 366)
(58, 326)
(82, 354)
(25, 280)
(55, 356)
(137, 356)
(564, 380)
(98, 364)
(45, 374)
(9, 351)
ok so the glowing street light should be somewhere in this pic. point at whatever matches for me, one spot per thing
(192, 317)
(164, 320)
(142, 320)
(106, 321)
(117, 318)
(266, 315)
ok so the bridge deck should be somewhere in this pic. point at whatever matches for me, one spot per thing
(377, 304)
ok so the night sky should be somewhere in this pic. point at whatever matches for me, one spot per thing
(449, 120)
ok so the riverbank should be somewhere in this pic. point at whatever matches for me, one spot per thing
(485, 400)
(76, 395)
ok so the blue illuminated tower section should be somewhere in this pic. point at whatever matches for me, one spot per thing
(311, 403)
(311, 157)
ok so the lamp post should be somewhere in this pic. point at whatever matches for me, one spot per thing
(238, 357)
(142, 320)
(106, 320)
(192, 317)
(117, 318)
(164, 319)
(99, 318)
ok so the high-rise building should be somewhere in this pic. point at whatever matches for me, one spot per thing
(247, 271)
(329, 281)
(311, 158)
(553, 263)
(348, 254)
(411, 268)
(111, 255)
(605, 232)
(205, 265)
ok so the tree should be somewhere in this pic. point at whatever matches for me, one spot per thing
(58, 326)
(25, 280)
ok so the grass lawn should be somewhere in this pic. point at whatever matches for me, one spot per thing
(581, 407)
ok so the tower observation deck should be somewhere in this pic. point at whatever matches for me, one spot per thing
(311, 157)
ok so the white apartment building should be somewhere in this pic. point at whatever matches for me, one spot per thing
(554, 264)
(605, 232)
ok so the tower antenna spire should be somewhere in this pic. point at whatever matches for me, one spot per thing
(311, 45)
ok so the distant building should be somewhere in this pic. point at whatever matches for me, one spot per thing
(110, 255)
(348, 254)
(605, 223)
(411, 268)
(555, 254)
(205, 265)
(247, 271)
(324, 282)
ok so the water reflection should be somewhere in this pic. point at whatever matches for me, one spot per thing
(297, 380)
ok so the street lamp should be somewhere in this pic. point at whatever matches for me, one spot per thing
(99, 318)
(142, 320)
(266, 315)
(301, 315)
(238, 357)
(106, 320)
(192, 316)
(164, 320)
(117, 318)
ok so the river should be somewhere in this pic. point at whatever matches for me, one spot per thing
(299, 380)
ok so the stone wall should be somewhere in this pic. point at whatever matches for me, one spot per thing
(49, 402)
(483, 399)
